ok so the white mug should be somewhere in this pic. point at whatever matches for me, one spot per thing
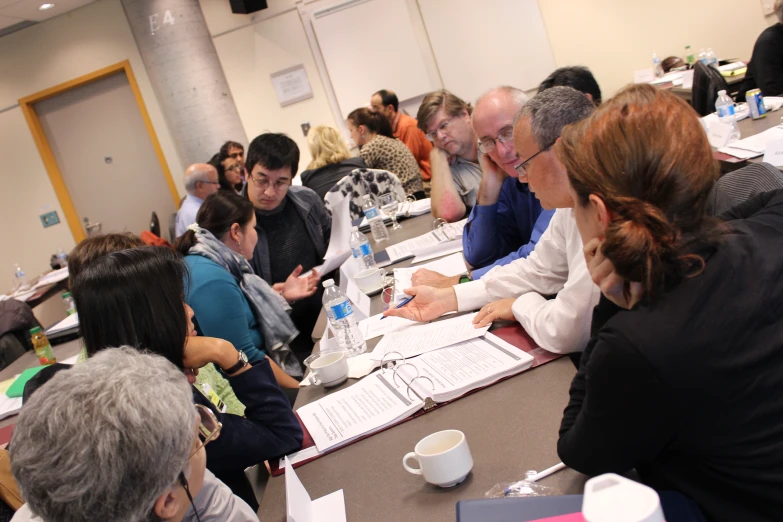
(329, 369)
(370, 279)
(444, 458)
(612, 497)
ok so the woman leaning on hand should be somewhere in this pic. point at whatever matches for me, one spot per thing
(681, 377)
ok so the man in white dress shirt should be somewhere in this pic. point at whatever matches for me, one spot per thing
(201, 180)
(519, 291)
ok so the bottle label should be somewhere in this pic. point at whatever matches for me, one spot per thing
(342, 310)
(726, 110)
(362, 250)
(371, 213)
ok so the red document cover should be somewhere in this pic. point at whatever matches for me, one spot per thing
(512, 334)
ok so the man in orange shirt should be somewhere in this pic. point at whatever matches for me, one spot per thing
(405, 129)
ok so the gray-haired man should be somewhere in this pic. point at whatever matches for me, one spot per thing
(117, 439)
(201, 180)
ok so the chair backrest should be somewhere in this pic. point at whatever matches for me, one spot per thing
(173, 227)
(742, 184)
(707, 81)
(366, 181)
(155, 224)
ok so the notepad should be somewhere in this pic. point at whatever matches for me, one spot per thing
(448, 266)
(17, 388)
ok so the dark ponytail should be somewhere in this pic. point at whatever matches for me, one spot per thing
(218, 212)
(374, 121)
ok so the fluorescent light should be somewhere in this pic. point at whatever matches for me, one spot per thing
(44, 7)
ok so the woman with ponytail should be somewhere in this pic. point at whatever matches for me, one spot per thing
(682, 376)
(372, 133)
(229, 300)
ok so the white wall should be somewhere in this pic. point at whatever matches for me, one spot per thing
(34, 59)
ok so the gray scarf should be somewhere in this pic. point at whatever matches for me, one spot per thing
(269, 307)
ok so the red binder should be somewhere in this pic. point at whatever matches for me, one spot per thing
(513, 334)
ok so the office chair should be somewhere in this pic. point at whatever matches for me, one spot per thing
(707, 81)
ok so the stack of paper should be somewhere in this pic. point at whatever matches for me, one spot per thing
(373, 327)
(753, 146)
(456, 370)
(439, 239)
(69, 322)
(449, 266)
(301, 508)
(52, 277)
(427, 337)
(415, 208)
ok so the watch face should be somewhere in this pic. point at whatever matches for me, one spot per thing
(242, 357)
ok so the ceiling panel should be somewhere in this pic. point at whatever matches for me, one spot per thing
(28, 9)
(7, 21)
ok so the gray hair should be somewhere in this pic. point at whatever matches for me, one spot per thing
(551, 110)
(518, 95)
(198, 174)
(104, 439)
(779, 10)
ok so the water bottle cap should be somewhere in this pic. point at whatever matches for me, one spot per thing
(721, 93)
(354, 229)
(366, 196)
(328, 283)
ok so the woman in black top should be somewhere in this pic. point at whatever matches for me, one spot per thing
(682, 377)
(331, 162)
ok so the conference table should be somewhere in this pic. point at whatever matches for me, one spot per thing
(749, 127)
(511, 427)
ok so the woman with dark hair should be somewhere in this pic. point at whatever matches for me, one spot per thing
(229, 300)
(372, 133)
(230, 171)
(135, 298)
(681, 378)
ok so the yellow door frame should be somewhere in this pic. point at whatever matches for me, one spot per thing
(27, 105)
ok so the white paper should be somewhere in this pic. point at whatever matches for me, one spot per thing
(299, 506)
(69, 322)
(731, 66)
(643, 76)
(427, 337)
(449, 266)
(340, 235)
(673, 77)
(409, 247)
(298, 456)
(367, 406)
(24, 296)
(455, 370)
(774, 153)
(329, 508)
(687, 79)
(9, 406)
(758, 142)
(426, 254)
(772, 103)
(52, 277)
(739, 153)
(719, 134)
(291, 85)
(70, 360)
(373, 327)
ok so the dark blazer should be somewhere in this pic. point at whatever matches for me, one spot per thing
(322, 179)
(687, 389)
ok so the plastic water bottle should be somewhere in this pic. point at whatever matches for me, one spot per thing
(657, 67)
(62, 258)
(360, 246)
(340, 313)
(20, 280)
(711, 58)
(703, 57)
(724, 106)
(379, 232)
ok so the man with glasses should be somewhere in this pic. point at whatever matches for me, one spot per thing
(520, 290)
(445, 120)
(201, 180)
(292, 224)
(508, 220)
(231, 150)
(118, 438)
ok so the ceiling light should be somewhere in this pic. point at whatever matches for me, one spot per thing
(44, 7)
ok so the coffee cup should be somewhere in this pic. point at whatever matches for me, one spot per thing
(329, 369)
(444, 458)
(370, 279)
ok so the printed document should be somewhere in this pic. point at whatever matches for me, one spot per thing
(429, 241)
(426, 337)
(449, 266)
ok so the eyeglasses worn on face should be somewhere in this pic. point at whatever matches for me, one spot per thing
(521, 167)
(505, 136)
(264, 183)
(209, 182)
(208, 428)
(235, 155)
(433, 135)
(235, 167)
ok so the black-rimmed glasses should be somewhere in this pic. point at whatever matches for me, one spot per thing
(521, 167)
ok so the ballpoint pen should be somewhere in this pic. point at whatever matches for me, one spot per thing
(408, 300)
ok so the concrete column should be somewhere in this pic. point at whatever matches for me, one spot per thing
(184, 70)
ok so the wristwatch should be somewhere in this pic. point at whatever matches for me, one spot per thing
(465, 278)
(241, 363)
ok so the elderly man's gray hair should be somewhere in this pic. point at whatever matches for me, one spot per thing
(104, 439)
(551, 110)
(198, 174)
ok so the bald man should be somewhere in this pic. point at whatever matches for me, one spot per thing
(200, 180)
(507, 220)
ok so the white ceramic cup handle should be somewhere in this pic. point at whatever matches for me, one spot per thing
(314, 379)
(383, 273)
(411, 455)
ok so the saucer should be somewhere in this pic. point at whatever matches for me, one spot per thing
(338, 381)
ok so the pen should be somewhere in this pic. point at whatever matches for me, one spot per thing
(408, 300)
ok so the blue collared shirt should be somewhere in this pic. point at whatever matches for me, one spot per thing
(497, 234)
(186, 215)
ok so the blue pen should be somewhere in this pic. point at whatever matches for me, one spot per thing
(408, 300)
